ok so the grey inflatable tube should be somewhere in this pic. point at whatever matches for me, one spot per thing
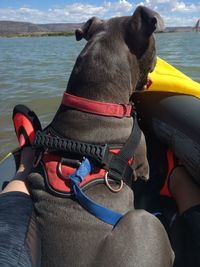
(175, 120)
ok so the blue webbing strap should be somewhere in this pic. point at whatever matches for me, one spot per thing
(102, 213)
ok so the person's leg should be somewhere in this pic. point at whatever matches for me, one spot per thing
(19, 239)
(184, 190)
(187, 196)
(19, 181)
(26, 124)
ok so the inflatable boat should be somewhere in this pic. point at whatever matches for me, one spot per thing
(8, 167)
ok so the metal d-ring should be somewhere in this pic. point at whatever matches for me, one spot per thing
(110, 187)
(68, 162)
(60, 169)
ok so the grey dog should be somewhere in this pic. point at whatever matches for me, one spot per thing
(115, 61)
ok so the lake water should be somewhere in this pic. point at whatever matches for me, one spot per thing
(34, 71)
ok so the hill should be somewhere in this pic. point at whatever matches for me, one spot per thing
(14, 28)
(10, 28)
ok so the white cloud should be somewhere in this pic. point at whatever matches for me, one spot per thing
(21, 14)
(172, 6)
(183, 8)
(76, 12)
(175, 12)
(178, 21)
(121, 6)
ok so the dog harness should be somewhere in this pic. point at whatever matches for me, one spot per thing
(71, 166)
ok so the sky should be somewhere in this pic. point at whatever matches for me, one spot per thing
(174, 12)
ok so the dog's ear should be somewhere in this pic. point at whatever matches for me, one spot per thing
(141, 26)
(147, 20)
(88, 29)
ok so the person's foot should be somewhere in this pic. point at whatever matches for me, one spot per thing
(19, 181)
(26, 124)
(183, 189)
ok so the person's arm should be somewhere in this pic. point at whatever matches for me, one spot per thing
(19, 237)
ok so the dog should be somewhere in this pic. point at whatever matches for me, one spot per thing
(115, 61)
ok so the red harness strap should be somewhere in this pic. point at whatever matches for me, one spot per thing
(62, 184)
(96, 107)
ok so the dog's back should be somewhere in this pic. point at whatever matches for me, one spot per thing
(73, 237)
(76, 236)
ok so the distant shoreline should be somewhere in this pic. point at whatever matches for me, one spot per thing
(25, 29)
(68, 34)
(37, 34)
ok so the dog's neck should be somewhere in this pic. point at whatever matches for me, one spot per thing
(73, 123)
(87, 127)
(97, 107)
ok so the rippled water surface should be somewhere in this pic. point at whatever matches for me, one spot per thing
(34, 71)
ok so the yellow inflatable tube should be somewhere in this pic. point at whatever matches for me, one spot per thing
(168, 79)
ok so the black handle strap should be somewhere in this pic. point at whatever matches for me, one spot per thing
(44, 141)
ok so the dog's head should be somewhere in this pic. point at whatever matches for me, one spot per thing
(120, 50)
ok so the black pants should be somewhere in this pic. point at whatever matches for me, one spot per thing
(19, 238)
(185, 238)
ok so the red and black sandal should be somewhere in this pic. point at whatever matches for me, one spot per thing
(26, 125)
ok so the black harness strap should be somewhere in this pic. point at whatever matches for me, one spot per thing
(118, 167)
